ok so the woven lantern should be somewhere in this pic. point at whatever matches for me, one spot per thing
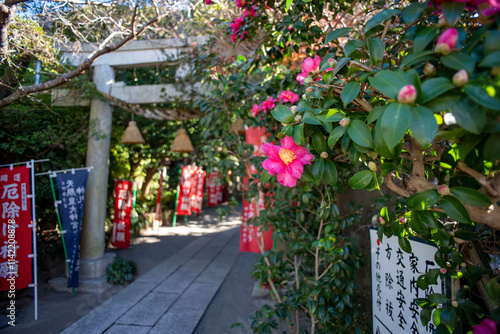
(181, 143)
(132, 134)
(237, 127)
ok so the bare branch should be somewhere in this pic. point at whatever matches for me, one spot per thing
(479, 177)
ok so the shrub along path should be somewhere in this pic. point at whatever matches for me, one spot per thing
(191, 279)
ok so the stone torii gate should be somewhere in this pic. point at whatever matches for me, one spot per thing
(134, 54)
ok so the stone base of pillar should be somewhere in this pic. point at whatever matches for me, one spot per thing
(92, 276)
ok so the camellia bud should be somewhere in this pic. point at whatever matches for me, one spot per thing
(293, 109)
(310, 89)
(372, 154)
(443, 270)
(442, 22)
(298, 118)
(290, 27)
(332, 62)
(381, 220)
(324, 155)
(280, 135)
(304, 96)
(443, 190)
(407, 94)
(460, 78)
(307, 79)
(344, 122)
(372, 166)
(463, 264)
(454, 303)
(429, 70)
(447, 41)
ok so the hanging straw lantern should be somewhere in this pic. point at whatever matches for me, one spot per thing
(181, 143)
(237, 127)
(132, 134)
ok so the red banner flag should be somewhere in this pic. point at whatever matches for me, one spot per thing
(197, 192)
(122, 223)
(186, 186)
(212, 181)
(16, 235)
(251, 236)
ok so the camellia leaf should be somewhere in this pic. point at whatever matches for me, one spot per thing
(479, 94)
(375, 114)
(413, 11)
(335, 135)
(423, 125)
(303, 106)
(283, 114)
(404, 244)
(491, 60)
(458, 61)
(361, 179)
(395, 121)
(388, 83)
(469, 115)
(318, 169)
(441, 237)
(449, 317)
(287, 5)
(310, 118)
(352, 46)
(432, 88)
(437, 298)
(491, 148)
(426, 217)
(330, 175)
(417, 58)
(423, 200)
(452, 10)
(265, 176)
(376, 48)
(470, 196)
(455, 210)
(423, 38)
(337, 33)
(298, 134)
(331, 115)
(319, 142)
(360, 133)
(349, 92)
(416, 224)
(380, 17)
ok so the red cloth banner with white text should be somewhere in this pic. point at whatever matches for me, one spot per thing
(212, 188)
(16, 235)
(197, 191)
(122, 222)
(251, 207)
(185, 188)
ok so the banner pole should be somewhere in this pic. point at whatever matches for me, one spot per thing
(33, 228)
(177, 198)
(61, 230)
(133, 214)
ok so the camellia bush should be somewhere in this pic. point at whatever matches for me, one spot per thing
(400, 98)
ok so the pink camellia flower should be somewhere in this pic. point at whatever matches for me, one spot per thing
(237, 23)
(249, 12)
(288, 96)
(208, 2)
(239, 3)
(301, 76)
(233, 37)
(287, 160)
(243, 34)
(255, 110)
(407, 94)
(309, 65)
(444, 190)
(268, 105)
(487, 326)
(443, 270)
(460, 78)
(447, 41)
(345, 122)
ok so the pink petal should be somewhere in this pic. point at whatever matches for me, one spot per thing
(308, 65)
(295, 169)
(287, 180)
(273, 166)
(272, 151)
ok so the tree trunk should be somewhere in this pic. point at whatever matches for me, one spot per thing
(151, 171)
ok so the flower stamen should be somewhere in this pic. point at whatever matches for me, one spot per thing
(286, 156)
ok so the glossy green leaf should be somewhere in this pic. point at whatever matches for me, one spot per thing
(340, 64)
(491, 148)
(319, 142)
(287, 5)
(335, 135)
(491, 60)
(350, 92)
(331, 115)
(470, 196)
(458, 61)
(298, 134)
(455, 210)
(318, 169)
(387, 82)
(416, 224)
(360, 133)
(441, 237)
(307, 174)
(423, 200)
(337, 33)
(380, 17)
(449, 317)
(303, 106)
(426, 217)
(376, 48)
(437, 298)
(413, 11)
(387, 168)
(423, 38)
(417, 58)
(479, 94)
(470, 306)
(452, 10)
(395, 121)
(265, 176)
(432, 88)
(404, 244)
(310, 118)
(469, 115)
(283, 114)
(330, 175)
(352, 46)
(375, 114)
(423, 125)
(361, 179)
